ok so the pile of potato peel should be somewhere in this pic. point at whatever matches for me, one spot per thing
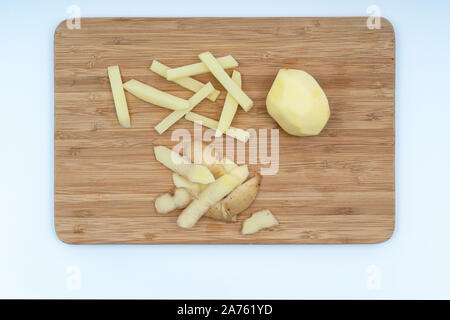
(230, 194)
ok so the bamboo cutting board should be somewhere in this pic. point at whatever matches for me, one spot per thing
(337, 187)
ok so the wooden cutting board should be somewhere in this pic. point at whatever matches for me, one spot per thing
(337, 187)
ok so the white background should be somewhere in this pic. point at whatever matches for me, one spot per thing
(415, 263)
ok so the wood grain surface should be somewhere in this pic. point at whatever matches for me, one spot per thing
(337, 187)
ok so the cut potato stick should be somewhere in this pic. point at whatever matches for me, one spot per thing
(119, 96)
(155, 96)
(212, 194)
(235, 133)
(173, 161)
(236, 202)
(186, 82)
(231, 86)
(199, 68)
(259, 220)
(229, 107)
(168, 121)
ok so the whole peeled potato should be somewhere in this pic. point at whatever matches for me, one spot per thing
(297, 103)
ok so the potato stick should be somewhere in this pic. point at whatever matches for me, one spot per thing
(168, 121)
(233, 132)
(155, 96)
(229, 107)
(199, 68)
(187, 82)
(119, 96)
(231, 86)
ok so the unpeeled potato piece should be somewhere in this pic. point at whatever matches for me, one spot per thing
(236, 202)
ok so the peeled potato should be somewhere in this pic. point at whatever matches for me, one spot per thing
(297, 103)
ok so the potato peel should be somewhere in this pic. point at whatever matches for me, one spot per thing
(236, 202)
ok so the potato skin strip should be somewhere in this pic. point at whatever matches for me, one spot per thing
(120, 101)
(229, 107)
(259, 220)
(216, 69)
(233, 132)
(226, 62)
(172, 118)
(155, 96)
(186, 82)
(212, 194)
